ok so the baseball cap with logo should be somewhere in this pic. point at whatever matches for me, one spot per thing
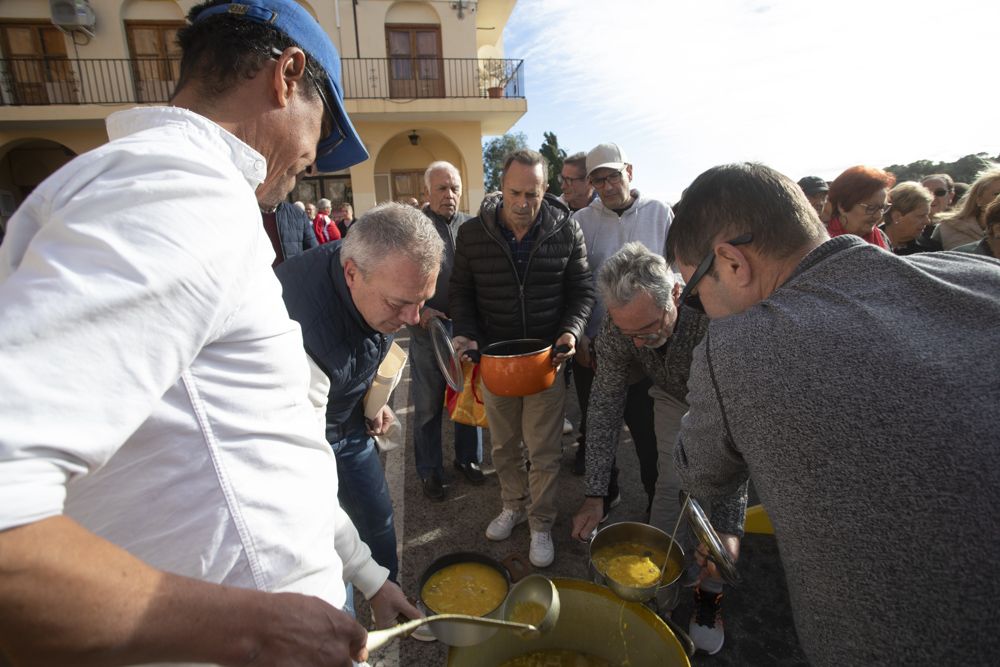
(608, 156)
(812, 185)
(342, 148)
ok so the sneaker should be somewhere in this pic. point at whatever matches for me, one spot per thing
(706, 628)
(610, 503)
(501, 527)
(567, 427)
(542, 551)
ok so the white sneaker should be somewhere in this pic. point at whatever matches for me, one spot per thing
(567, 427)
(501, 527)
(706, 629)
(542, 551)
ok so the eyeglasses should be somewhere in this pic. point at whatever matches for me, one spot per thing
(873, 209)
(331, 134)
(705, 265)
(651, 337)
(613, 178)
(569, 180)
(940, 193)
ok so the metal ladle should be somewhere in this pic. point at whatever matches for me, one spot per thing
(534, 590)
(379, 638)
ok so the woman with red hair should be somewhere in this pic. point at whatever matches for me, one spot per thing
(858, 199)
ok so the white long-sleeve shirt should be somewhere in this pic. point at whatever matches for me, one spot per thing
(152, 385)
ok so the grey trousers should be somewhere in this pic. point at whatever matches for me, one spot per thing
(667, 413)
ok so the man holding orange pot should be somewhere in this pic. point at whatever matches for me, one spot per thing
(521, 272)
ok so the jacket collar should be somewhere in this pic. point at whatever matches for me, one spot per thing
(343, 292)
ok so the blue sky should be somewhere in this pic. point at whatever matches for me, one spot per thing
(807, 87)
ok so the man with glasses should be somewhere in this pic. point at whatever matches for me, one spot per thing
(577, 192)
(646, 328)
(618, 216)
(166, 494)
(813, 378)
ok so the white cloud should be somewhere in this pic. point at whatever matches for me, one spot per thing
(808, 87)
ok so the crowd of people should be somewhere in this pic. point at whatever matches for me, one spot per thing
(189, 469)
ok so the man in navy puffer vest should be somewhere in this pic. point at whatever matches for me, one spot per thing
(349, 297)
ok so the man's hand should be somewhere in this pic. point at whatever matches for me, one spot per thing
(305, 631)
(731, 543)
(382, 421)
(463, 345)
(388, 603)
(427, 316)
(569, 340)
(583, 356)
(587, 518)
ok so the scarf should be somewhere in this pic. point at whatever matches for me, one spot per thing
(875, 236)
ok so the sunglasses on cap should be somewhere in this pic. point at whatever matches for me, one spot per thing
(331, 134)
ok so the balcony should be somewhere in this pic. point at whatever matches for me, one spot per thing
(68, 81)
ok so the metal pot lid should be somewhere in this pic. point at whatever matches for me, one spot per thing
(448, 362)
(706, 534)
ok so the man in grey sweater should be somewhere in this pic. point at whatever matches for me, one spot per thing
(858, 389)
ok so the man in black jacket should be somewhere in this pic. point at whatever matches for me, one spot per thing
(521, 272)
(289, 229)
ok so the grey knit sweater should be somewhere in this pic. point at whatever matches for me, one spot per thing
(667, 367)
(862, 397)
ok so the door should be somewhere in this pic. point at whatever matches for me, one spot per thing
(40, 72)
(156, 58)
(406, 185)
(415, 65)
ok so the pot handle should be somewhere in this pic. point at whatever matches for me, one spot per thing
(560, 349)
(473, 355)
(516, 567)
(681, 635)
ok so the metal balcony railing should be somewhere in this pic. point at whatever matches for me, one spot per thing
(52, 81)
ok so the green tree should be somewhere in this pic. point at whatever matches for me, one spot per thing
(554, 156)
(963, 170)
(494, 151)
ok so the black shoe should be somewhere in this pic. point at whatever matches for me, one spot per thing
(472, 472)
(579, 465)
(433, 488)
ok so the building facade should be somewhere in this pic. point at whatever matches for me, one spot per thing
(423, 81)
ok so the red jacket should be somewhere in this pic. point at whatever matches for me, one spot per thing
(325, 229)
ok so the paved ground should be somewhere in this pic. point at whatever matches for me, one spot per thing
(759, 629)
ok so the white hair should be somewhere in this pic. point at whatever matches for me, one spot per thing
(324, 204)
(440, 165)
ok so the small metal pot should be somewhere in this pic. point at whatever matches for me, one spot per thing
(463, 634)
(666, 593)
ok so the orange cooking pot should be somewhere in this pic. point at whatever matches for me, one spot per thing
(518, 367)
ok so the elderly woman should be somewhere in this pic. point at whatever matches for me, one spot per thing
(909, 213)
(990, 245)
(968, 224)
(858, 199)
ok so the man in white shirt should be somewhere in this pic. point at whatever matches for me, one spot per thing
(166, 493)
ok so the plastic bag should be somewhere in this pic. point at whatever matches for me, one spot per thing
(466, 406)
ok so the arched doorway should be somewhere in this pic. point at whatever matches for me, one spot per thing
(23, 165)
(402, 160)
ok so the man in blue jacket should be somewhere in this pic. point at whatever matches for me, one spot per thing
(349, 297)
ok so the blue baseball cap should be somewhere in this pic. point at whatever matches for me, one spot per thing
(342, 148)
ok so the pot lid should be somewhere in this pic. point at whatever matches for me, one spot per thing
(448, 362)
(706, 534)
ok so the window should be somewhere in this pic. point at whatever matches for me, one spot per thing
(39, 70)
(406, 184)
(415, 65)
(156, 58)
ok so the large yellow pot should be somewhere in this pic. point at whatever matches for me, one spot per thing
(592, 620)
